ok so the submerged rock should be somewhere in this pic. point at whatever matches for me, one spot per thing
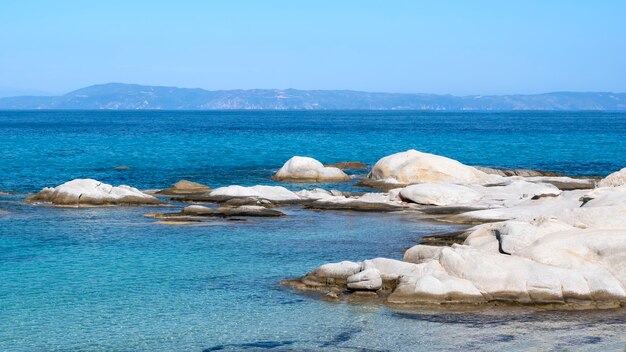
(184, 187)
(89, 192)
(305, 169)
(416, 167)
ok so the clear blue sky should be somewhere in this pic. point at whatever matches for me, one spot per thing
(456, 47)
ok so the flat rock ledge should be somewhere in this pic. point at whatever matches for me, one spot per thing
(89, 192)
(223, 212)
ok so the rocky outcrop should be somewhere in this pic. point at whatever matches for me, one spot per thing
(305, 169)
(416, 167)
(185, 188)
(534, 244)
(615, 179)
(89, 192)
(576, 268)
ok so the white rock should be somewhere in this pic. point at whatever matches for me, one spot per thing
(592, 250)
(91, 192)
(605, 196)
(514, 192)
(615, 179)
(341, 270)
(416, 167)
(421, 253)
(435, 289)
(365, 280)
(301, 168)
(317, 193)
(514, 235)
(271, 193)
(440, 194)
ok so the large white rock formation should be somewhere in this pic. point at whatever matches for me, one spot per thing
(89, 192)
(301, 168)
(416, 167)
(546, 246)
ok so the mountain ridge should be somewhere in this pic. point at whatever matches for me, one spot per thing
(122, 96)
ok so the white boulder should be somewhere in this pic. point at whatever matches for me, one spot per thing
(301, 168)
(416, 167)
(615, 179)
(341, 270)
(89, 192)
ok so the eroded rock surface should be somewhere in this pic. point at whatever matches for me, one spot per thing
(89, 192)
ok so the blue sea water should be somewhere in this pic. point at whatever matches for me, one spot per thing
(110, 279)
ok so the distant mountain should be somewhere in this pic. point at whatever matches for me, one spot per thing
(118, 96)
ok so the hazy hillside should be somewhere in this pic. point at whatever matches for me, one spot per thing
(131, 97)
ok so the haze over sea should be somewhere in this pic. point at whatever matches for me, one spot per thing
(102, 279)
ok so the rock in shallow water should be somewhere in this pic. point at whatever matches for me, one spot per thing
(567, 268)
(305, 169)
(89, 192)
(184, 188)
(416, 167)
(564, 248)
(243, 210)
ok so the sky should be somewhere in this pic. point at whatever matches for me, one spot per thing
(442, 47)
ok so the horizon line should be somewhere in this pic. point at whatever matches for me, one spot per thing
(314, 90)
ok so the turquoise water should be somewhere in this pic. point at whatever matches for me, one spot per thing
(110, 279)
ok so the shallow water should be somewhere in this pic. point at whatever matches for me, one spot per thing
(104, 279)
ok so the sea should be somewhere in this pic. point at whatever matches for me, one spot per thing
(111, 279)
